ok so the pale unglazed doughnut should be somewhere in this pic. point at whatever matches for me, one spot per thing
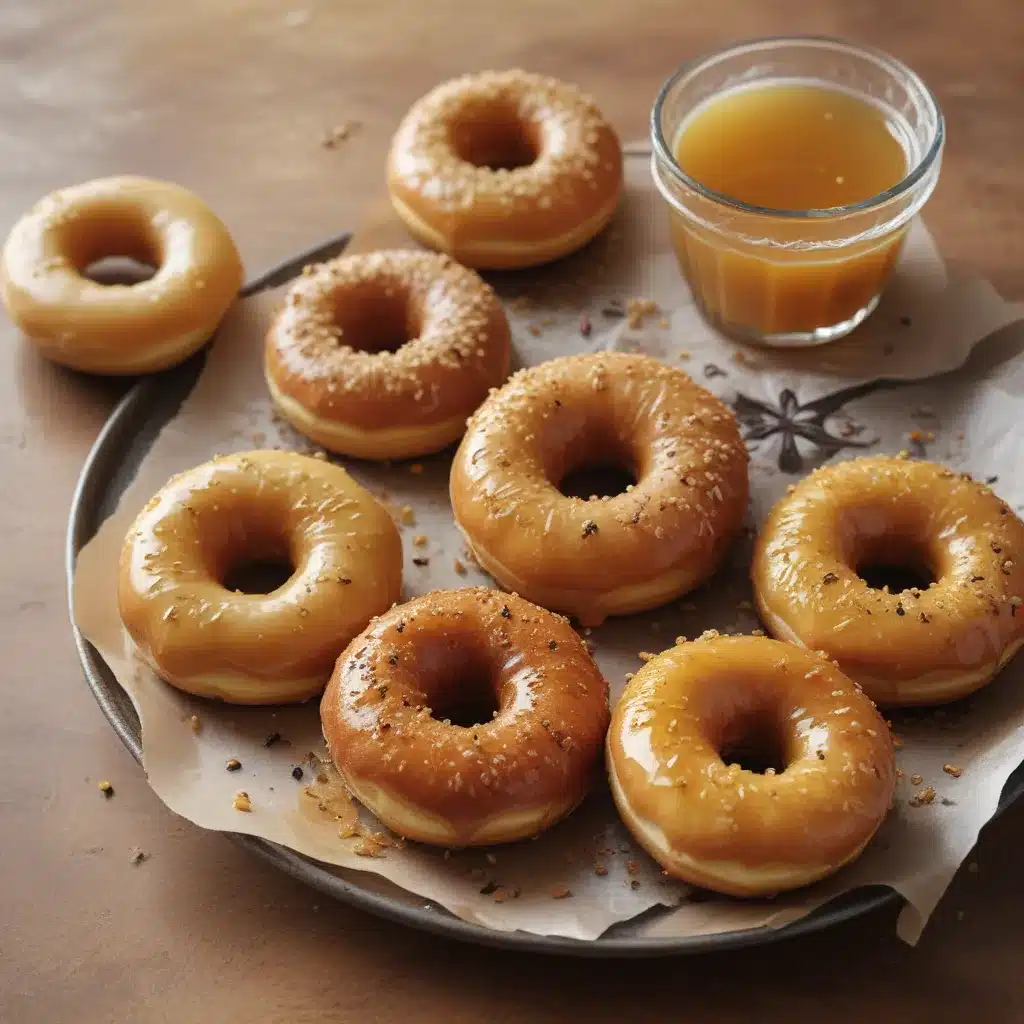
(117, 328)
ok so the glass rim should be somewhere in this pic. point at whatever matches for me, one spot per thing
(664, 156)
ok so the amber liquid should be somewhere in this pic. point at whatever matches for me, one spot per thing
(791, 147)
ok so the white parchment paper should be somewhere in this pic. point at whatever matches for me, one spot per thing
(799, 408)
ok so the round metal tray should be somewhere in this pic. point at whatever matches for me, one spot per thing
(121, 445)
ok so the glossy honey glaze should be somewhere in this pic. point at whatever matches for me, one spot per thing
(622, 553)
(921, 645)
(711, 821)
(256, 648)
(467, 717)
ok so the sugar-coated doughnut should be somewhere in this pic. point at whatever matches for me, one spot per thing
(505, 169)
(119, 328)
(921, 645)
(256, 648)
(384, 355)
(610, 556)
(467, 717)
(690, 715)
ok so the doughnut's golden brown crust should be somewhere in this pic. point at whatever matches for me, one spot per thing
(256, 648)
(507, 778)
(330, 380)
(724, 827)
(450, 184)
(913, 647)
(626, 553)
(119, 329)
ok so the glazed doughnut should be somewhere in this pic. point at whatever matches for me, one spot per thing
(384, 355)
(530, 711)
(119, 329)
(921, 645)
(684, 720)
(505, 169)
(256, 648)
(616, 555)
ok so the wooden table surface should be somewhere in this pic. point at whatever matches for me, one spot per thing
(230, 97)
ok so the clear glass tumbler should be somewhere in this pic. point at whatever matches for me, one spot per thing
(793, 277)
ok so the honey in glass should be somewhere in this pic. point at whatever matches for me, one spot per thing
(791, 184)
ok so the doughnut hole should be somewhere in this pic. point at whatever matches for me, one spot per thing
(458, 681)
(246, 549)
(592, 463)
(496, 137)
(259, 576)
(379, 318)
(756, 747)
(888, 555)
(595, 480)
(109, 248)
(748, 725)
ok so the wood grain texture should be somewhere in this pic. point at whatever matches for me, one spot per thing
(230, 97)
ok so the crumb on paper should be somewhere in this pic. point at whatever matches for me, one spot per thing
(420, 562)
(684, 355)
(585, 325)
(297, 772)
(420, 540)
(195, 723)
(460, 569)
(916, 780)
(923, 797)
(233, 764)
(242, 801)
(645, 656)
(105, 788)
(560, 892)
(333, 137)
(407, 515)
(371, 844)
(136, 855)
(952, 769)
(638, 309)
